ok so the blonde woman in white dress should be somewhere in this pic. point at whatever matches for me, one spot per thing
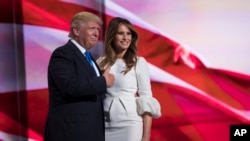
(128, 104)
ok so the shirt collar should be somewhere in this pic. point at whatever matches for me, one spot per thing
(81, 48)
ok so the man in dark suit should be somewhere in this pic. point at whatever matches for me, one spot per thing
(76, 85)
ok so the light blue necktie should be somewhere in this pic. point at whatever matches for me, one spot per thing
(88, 57)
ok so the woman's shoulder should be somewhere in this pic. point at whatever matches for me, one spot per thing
(141, 64)
(141, 60)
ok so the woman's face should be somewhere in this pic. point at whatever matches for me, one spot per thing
(123, 38)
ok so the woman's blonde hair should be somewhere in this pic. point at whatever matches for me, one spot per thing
(110, 54)
(81, 18)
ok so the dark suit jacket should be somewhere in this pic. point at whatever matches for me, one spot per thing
(75, 98)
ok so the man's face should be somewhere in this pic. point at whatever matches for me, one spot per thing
(88, 34)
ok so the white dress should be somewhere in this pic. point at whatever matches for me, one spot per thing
(122, 108)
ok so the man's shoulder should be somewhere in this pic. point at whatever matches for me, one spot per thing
(64, 47)
(64, 50)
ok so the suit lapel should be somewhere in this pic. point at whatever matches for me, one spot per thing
(81, 57)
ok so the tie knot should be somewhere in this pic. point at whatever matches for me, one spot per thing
(87, 53)
(88, 57)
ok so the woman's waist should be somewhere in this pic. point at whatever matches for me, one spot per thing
(120, 95)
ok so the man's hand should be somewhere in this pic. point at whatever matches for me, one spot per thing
(110, 78)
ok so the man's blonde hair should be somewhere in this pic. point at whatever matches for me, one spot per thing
(81, 18)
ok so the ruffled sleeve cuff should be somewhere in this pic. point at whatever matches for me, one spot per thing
(148, 104)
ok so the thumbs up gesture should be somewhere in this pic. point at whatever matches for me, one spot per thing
(110, 78)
